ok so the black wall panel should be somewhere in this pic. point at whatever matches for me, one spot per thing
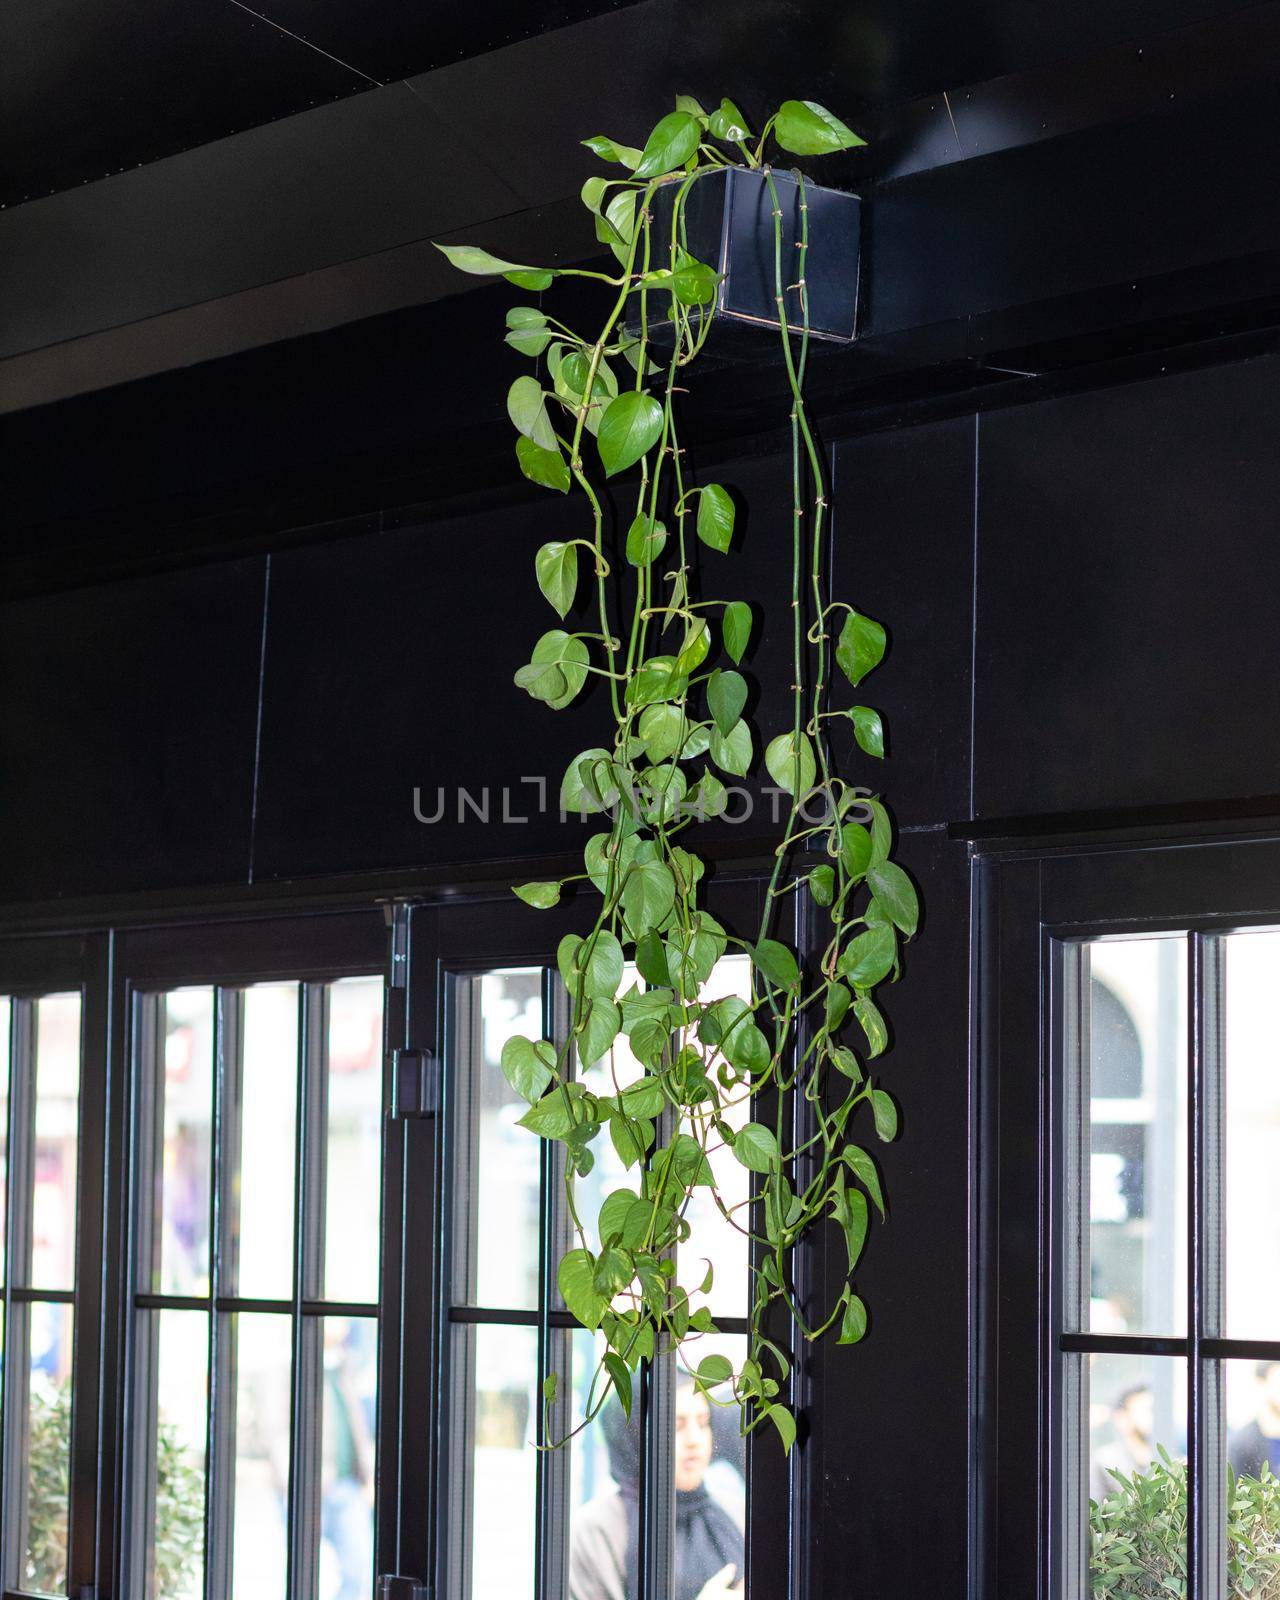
(389, 666)
(1128, 568)
(894, 1510)
(904, 554)
(127, 724)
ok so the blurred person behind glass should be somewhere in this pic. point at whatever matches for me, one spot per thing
(708, 1542)
(1133, 1417)
(1257, 1444)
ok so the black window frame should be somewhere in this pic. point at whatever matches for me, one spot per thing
(1031, 909)
(229, 956)
(30, 968)
(480, 933)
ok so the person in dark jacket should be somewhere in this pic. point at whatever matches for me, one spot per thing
(605, 1532)
(1257, 1444)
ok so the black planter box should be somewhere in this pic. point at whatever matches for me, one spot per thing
(729, 225)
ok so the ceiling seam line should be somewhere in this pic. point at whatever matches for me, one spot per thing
(319, 49)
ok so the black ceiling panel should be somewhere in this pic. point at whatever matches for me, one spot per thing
(89, 88)
(397, 38)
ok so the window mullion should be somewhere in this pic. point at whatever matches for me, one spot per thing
(555, 1345)
(146, 1057)
(228, 1056)
(306, 1420)
(17, 1365)
(1206, 1467)
(1069, 1432)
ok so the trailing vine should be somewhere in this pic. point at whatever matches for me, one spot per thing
(677, 725)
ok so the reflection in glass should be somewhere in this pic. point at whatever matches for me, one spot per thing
(45, 1408)
(1251, 1488)
(1251, 1162)
(266, 1128)
(708, 1476)
(604, 1484)
(4, 1132)
(1136, 1409)
(353, 1152)
(268, 1117)
(349, 1411)
(263, 1370)
(607, 1077)
(496, 1218)
(57, 1113)
(714, 1241)
(495, 1376)
(1135, 1144)
(175, 1544)
(186, 1094)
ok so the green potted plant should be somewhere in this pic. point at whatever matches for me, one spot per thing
(600, 415)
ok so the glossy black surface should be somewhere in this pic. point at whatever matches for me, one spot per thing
(89, 89)
(1126, 649)
(129, 717)
(903, 553)
(348, 733)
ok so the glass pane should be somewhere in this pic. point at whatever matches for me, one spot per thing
(496, 1221)
(1252, 1428)
(604, 1479)
(347, 1457)
(354, 1136)
(263, 1385)
(175, 1544)
(493, 1484)
(1136, 1405)
(1135, 1139)
(714, 1241)
(4, 1133)
(186, 1111)
(709, 1485)
(267, 1130)
(607, 1077)
(1251, 1166)
(46, 1461)
(57, 1110)
(724, 1474)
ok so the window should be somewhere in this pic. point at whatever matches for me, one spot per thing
(1126, 1392)
(656, 1507)
(255, 1327)
(1170, 1288)
(40, 1066)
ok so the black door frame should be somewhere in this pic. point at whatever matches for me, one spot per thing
(1026, 904)
(490, 930)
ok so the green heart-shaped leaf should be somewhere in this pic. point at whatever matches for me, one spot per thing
(715, 519)
(670, 145)
(547, 467)
(808, 129)
(556, 566)
(576, 1278)
(528, 1066)
(860, 646)
(897, 894)
(631, 425)
(866, 960)
(791, 763)
(726, 696)
(756, 1148)
(737, 629)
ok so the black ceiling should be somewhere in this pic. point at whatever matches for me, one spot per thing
(90, 88)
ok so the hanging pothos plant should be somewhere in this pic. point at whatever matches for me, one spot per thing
(605, 404)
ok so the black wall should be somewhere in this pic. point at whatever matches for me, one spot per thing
(1081, 593)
